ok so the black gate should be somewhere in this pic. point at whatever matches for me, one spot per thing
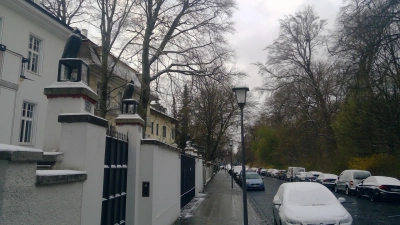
(115, 176)
(188, 173)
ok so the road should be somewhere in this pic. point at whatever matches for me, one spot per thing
(363, 211)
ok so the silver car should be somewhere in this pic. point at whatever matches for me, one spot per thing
(348, 180)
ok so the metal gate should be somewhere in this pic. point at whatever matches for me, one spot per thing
(188, 173)
(115, 177)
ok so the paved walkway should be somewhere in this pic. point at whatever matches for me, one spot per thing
(219, 205)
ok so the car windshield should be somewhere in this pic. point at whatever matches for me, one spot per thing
(361, 175)
(252, 176)
(311, 197)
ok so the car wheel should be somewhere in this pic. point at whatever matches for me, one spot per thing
(372, 196)
(336, 190)
(347, 190)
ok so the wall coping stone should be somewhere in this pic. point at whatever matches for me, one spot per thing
(59, 176)
(52, 156)
(82, 118)
(131, 119)
(159, 143)
(70, 89)
(18, 153)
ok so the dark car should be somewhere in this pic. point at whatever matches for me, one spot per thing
(379, 188)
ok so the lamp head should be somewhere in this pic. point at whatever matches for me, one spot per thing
(241, 93)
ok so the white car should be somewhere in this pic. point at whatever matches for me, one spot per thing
(308, 203)
(300, 177)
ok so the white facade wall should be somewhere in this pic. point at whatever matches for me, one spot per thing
(20, 20)
(160, 165)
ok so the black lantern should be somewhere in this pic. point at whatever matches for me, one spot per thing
(129, 106)
(74, 70)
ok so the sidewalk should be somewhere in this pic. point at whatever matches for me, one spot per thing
(219, 205)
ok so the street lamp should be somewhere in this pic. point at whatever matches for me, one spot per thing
(230, 144)
(240, 93)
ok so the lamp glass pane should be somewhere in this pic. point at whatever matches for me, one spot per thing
(241, 95)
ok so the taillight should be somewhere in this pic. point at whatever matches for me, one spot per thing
(383, 187)
(351, 183)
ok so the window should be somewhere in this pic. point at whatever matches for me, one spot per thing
(152, 127)
(98, 88)
(164, 131)
(28, 110)
(157, 129)
(172, 133)
(33, 54)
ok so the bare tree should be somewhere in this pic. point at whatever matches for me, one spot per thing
(114, 19)
(69, 12)
(182, 37)
(293, 62)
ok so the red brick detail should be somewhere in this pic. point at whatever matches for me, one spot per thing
(73, 96)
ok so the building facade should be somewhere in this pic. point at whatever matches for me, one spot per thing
(32, 43)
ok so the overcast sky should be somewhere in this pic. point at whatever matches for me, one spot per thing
(256, 24)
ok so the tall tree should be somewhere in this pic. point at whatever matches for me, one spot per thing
(182, 37)
(293, 63)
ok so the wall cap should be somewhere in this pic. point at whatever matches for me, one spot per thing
(159, 143)
(82, 118)
(129, 119)
(70, 89)
(59, 176)
(18, 153)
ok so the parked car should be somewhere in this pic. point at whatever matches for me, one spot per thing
(348, 180)
(281, 174)
(240, 178)
(263, 172)
(254, 181)
(378, 188)
(269, 171)
(301, 176)
(328, 180)
(293, 171)
(308, 203)
(312, 176)
(274, 173)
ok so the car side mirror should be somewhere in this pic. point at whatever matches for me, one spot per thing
(277, 202)
(342, 200)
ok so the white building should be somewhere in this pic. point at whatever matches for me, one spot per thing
(27, 31)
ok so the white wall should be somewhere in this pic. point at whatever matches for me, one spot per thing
(20, 20)
(199, 176)
(160, 165)
(24, 202)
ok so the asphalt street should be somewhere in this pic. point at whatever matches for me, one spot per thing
(363, 211)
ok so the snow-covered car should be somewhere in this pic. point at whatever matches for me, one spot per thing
(300, 177)
(312, 176)
(308, 203)
(327, 179)
(378, 188)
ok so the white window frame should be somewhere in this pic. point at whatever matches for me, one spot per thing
(34, 51)
(28, 116)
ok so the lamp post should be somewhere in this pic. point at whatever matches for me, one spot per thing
(230, 144)
(240, 93)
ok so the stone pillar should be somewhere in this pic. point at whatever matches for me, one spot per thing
(83, 144)
(132, 124)
(65, 97)
(199, 175)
